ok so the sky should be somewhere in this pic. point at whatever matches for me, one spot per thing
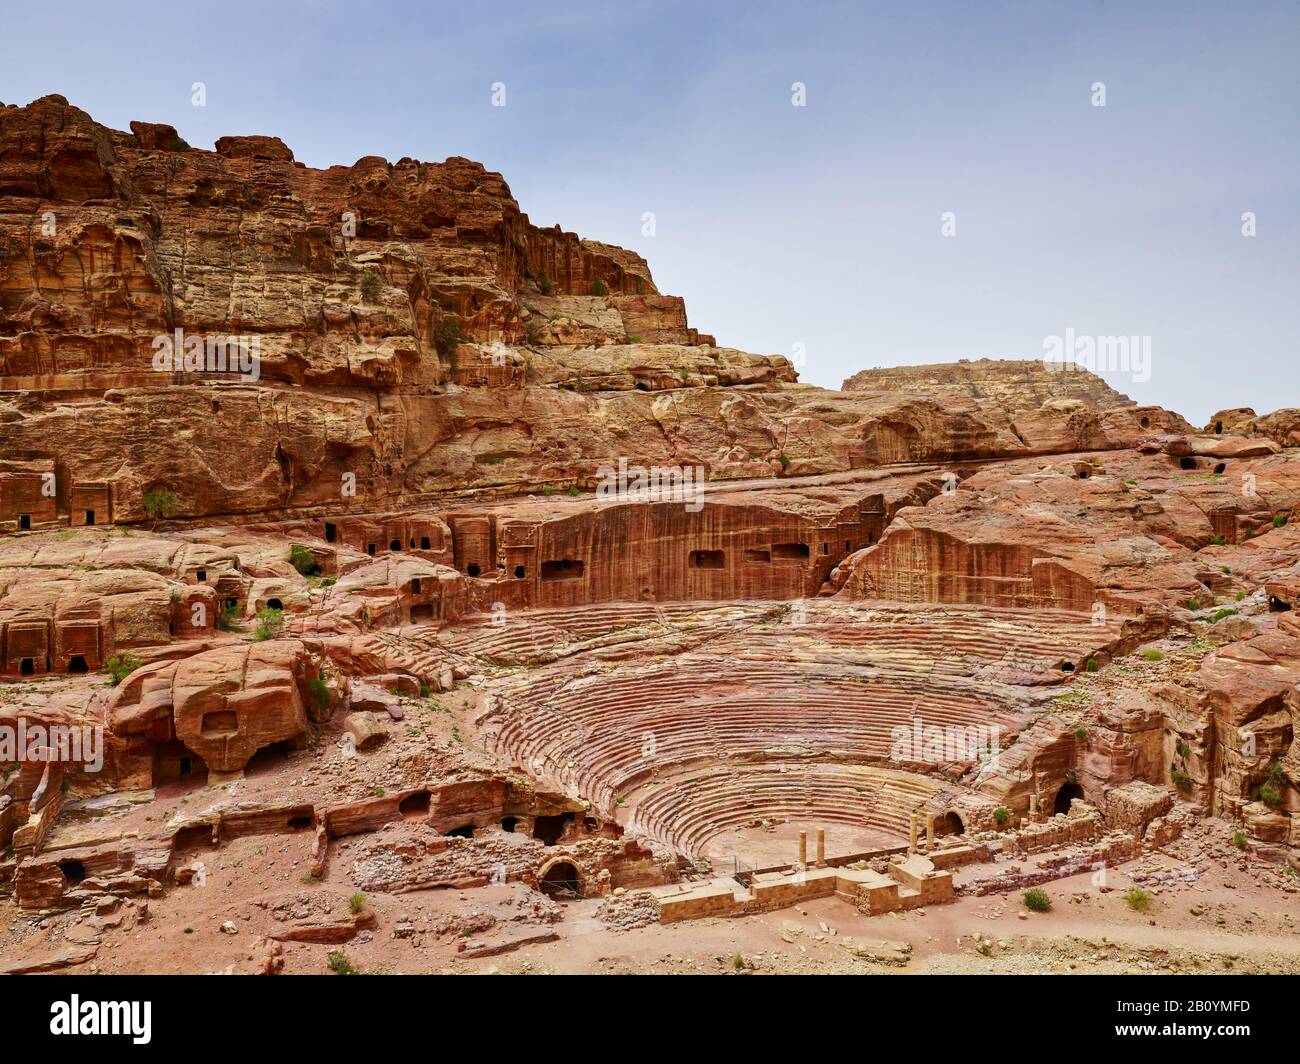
(958, 179)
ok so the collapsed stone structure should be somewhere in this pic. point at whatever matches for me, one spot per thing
(946, 613)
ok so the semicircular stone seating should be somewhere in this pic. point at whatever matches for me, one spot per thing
(767, 719)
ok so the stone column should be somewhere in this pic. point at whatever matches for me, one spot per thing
(803, 849)
(821, 847)
(929, 834)
(1033, 806)
(911, 845)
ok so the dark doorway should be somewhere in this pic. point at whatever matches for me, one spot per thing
(394, 544)
(416, 804)
(562, 569)
(561, 881)
(28, 667)
(1187, 462)
(465, 831)
(519, 572)
(707, 559)
(1068, 793)
(370, 549)
(424, 543)
(77, 664)
(274, 604)
(331, 533)
(951, 825)
(73, 871)
(472, 569)
(201, 576)
(548, 829)
(90, 517)
(508, 823)
(24, 522)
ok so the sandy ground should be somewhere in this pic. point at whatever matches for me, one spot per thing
(1225, 921)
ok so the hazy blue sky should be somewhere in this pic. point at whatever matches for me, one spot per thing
(816, 225)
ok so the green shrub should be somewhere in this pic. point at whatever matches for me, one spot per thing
(338, 962)
(269, 623)
(447, 338)
(1180, 779)
(598, 287)
(1183, 748)
(1279, 521)
(371, 285)
(228, 621)
(1270, 795)
(784, 459)
(546, 285)
(302, 559)
(1137, 899)
(1092, 665)
(1001, 814)
(120, 666)
(1227, 611)
(1276, 775)
(357, 902)
(1081, 733)
(160, 504)
(1036, 900)
(1154, 655)
(573, 492)
(319, 691)
(1218, 541)
(1239, 840)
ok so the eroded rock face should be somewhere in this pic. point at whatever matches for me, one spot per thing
(224, 704)
(379, 590)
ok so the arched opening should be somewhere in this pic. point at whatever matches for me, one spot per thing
(411, 543)
(274, 604)
(1218, 428)
(561, 881)
(519, 572)
(415, 804)
(1221, 468)
(548, 829)
(590, 824)
(394, 544)
(508, 824)
(472, 570)
(465, 831)
(268, 759)
(1068, 793)
(299, 823)
(77, 664)
(950, 824)
(73, 871)
(1277, 605)
(1085, 473)
(1187, 462)
(1067, 666)
(1145, 422)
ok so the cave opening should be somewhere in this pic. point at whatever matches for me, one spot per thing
(548, 829)
(77, 664)
(73, 871)
(416, 804)
(561, 881)
(1068, 793)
